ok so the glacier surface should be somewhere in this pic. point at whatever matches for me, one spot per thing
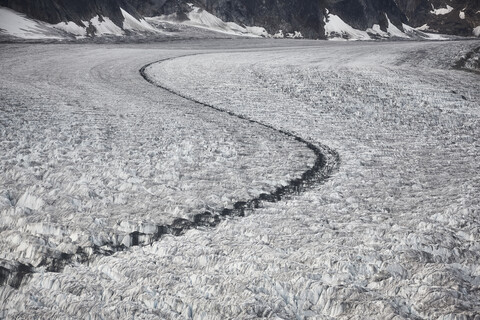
(90, 152)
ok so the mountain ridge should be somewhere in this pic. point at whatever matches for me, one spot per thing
(311, 19)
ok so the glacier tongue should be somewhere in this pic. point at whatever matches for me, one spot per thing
(92, 153)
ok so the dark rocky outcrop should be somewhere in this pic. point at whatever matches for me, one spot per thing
(362, 14)
(419, 13)
(305, 16)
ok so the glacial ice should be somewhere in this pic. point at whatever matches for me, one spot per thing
(394, 233)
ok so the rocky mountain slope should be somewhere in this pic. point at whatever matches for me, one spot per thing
(313, 19)
(458, 17)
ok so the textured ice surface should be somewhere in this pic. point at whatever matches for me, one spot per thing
(393, 234)
(88, 157)
(407, 131)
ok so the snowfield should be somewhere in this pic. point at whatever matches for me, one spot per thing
(91, 152)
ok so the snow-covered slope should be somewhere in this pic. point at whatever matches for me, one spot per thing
(337, 29)
(200, 18)
(332, 20)
(18, 25)
(132, 24)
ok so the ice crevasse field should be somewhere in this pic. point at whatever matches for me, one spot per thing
(91, 152)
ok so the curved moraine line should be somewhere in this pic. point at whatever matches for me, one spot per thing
(326, 161)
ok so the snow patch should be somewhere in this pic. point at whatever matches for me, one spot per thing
(105, 26)
(295, 35)
(393, 30)
(423, 28)
(18, 25)
(279, 34)
(441, 11)
(203, 19)
(336, 28)
(131, 23)
(434, 36)
(416, 32)
(289, 35)
(461, 15)
(375, 29)
(259, 31)
(72, 28)
(476, 31)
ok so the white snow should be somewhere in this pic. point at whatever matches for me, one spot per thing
(408, 28)
(131, 23)
(72, 28)
(476, 31)
(201, 18)
(19, 25)
(279, 35)
(461, 14)
(294, 35)
(259, 31)
(336, 28)
(393, 31)
(441, 11)
(375, 29)
(425, 35)
(105, 26)
(425, 27)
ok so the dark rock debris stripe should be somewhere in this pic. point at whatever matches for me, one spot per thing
(327, 160)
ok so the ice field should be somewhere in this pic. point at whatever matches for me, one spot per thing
(91, 153)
